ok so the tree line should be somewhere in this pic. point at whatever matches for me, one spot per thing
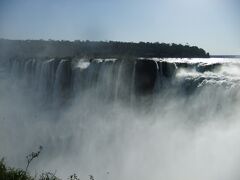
(97, 49)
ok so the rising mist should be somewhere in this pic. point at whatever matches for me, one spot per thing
(185, 126)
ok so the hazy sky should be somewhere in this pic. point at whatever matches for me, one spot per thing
(211, 24)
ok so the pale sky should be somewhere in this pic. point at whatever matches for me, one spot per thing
(213, 25)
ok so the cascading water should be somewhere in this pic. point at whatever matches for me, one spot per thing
(123, 119)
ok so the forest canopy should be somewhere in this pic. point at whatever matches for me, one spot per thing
(97, 49)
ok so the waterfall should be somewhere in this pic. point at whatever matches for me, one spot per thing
(62, 87)
(95, 116)
(125, 81)
(132, 96)
(118, 80)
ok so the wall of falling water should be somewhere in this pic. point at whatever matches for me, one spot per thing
(123, 119)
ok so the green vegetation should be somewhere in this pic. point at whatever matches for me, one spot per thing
(9, 173)
(93, 49)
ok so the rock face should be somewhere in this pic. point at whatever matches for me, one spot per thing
(56, 80)
(210, 67)
(145, 76)
(167, 69)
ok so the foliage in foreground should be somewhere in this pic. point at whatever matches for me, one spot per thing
(9, 173)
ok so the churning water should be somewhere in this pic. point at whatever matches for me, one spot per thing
(169, 119)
